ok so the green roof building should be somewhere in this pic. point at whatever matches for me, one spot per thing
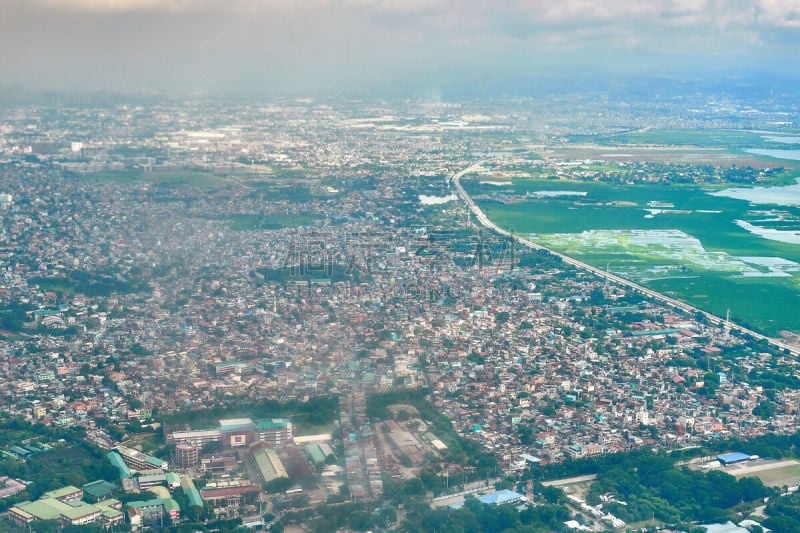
(193, 495)
(98, 490)
(116, 460)
(73, 513)
(150, 510)
(64, 494)
(314, 451)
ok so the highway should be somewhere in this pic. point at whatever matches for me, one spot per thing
(676, 304)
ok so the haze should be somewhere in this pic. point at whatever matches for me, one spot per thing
(354, 46)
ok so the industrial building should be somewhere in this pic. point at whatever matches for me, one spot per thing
(268, 463)
(502, 497)
(9, 487)
(318, 452)
(730, 458)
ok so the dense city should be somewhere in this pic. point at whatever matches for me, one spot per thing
(252, 315)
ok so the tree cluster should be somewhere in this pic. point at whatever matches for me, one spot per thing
(477, 517)
(653, 487)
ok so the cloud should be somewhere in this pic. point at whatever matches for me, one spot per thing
(120, 5)
(781, 13)
(328, 42)
(648, 14)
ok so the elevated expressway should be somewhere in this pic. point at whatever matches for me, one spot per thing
(676, 304)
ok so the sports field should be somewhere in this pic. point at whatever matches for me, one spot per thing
(772, 474)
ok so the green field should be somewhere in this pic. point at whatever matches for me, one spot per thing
(691, 249)
(776, 477)
(272, 221)
(304, 428)
(731, 140)
(597, 211)
(177, 178)
(761, 305)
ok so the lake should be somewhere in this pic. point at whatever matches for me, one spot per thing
(789, 195)
(792, 155)
(785, 140)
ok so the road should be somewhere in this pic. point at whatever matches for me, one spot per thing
(486, 486)
(569, 480)
(613, 278)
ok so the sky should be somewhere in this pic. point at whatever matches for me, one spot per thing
(343, 47)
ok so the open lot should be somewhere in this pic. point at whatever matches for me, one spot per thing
(771, 473)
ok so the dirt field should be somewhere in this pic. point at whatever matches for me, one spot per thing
(396, 408)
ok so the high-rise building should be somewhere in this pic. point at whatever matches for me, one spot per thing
(186, 456)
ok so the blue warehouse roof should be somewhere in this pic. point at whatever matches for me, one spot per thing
(734, 457)
(500, 497)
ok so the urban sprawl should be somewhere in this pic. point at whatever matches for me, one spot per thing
(169, 269)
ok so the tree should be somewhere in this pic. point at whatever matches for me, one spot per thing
(135, 403)
(280, 484)
(552, 494)
(45, 526)
(765, 410)
(597, 296)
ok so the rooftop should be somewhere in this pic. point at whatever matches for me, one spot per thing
(60, 493)
(500, 497)
(99, 488)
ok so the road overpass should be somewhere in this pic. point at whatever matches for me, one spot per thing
(612, 278)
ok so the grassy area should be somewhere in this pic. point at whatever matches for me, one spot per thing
(272, 221)
(601, 208)
(787, 177)
(777, 477)
(61, 285)
(598, 167)
(92, 284)
(303, 428)
(760, 305)
(707, 273)
(149, 442)
(317, 411)
(728, 139)
(176, 178)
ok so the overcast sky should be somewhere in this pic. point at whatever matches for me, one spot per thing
(346, 46)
